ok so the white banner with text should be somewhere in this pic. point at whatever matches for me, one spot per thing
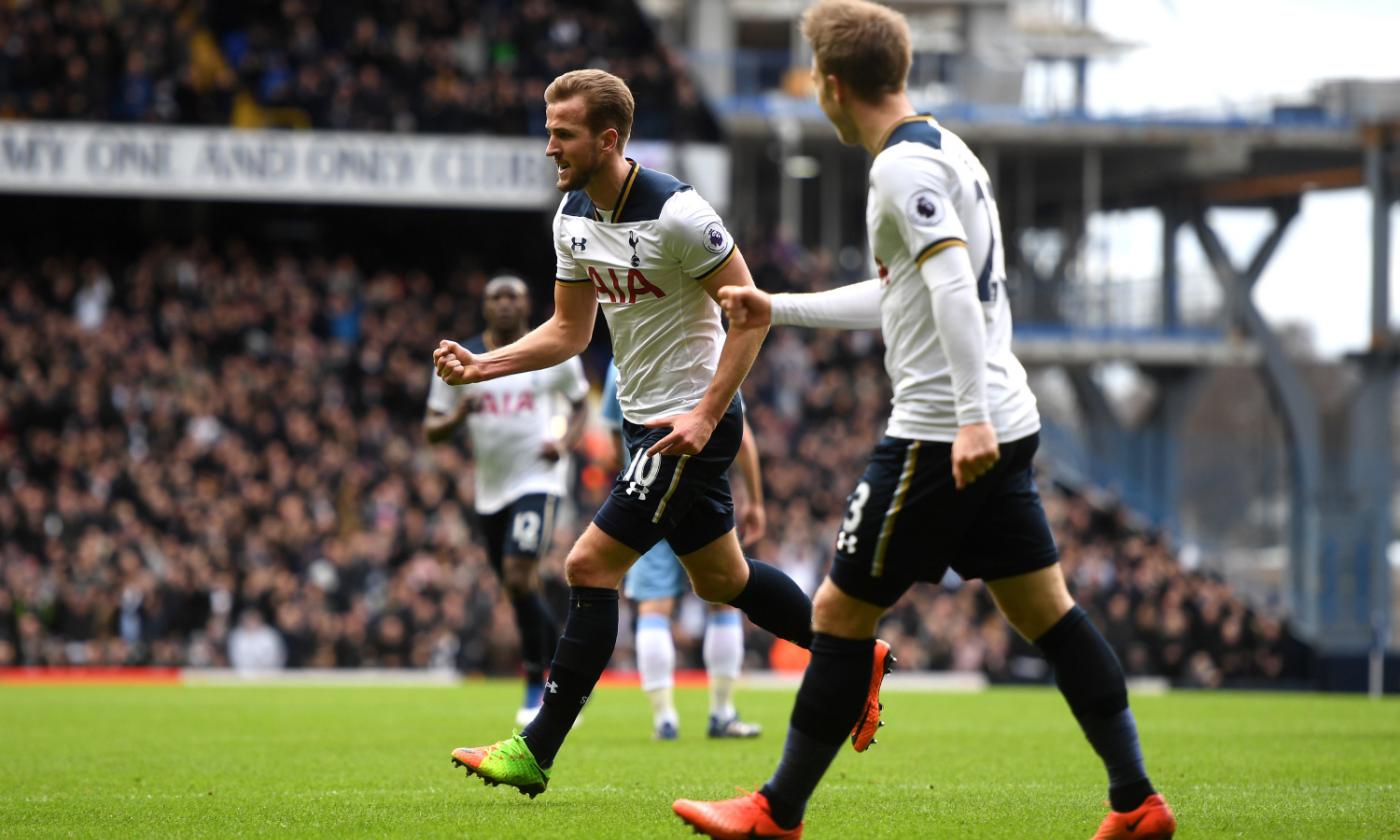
(221, 164)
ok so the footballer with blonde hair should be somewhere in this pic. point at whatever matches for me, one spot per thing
(950, 484)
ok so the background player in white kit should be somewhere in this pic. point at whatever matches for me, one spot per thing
(653, 255)
(657, 579)
(522, 429)
(950, 484)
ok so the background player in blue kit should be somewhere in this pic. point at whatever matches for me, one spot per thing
(520, 440)
(657, 579)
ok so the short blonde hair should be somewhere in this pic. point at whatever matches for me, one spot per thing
(863, 44)
(607, 100)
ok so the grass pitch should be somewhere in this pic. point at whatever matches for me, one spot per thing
(328, 761)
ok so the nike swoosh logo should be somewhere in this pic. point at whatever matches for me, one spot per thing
(1132, 826)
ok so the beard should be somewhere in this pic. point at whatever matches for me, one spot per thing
(576, 176)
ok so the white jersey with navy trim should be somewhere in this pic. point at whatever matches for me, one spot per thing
(645, 259)
(510, 420)
(929, 192)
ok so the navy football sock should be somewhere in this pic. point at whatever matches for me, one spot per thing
(1091, 679)
(775, 602)
(590, 633)
(538, 636)
(828, 705)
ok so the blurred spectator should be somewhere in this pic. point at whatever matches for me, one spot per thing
(467, 66)
(237, 434)
(254, 647)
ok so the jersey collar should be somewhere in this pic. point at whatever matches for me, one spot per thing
(622, 196)
(895, 134)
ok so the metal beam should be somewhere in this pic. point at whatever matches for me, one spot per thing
(1301, 419)
(1171, 280)
(1378, 184)
(1291, 185)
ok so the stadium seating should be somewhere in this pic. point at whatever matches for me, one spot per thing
(228, 431)
(454, 67)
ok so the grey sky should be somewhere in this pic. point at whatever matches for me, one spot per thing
(1237, 57)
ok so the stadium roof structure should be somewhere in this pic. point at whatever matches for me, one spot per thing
(1146, 161)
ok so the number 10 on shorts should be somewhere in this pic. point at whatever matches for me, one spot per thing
(642, 473)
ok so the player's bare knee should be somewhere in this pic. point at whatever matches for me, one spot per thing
(582, 568)
(838, 614)
(716, 587)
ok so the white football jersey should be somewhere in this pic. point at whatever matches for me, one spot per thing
(928, 191)
(645, 260)
(510, 420)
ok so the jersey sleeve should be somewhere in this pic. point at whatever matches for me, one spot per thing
(695, 236)
(570, 382)
(566, 269)
(918, 194)
(444, 398)
(611, 409)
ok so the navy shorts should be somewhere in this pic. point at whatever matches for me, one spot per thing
(683, 499)
(906, 522)
(522, 528)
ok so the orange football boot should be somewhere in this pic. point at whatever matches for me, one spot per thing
(864, 733)
(740, 818)
(1152, 820)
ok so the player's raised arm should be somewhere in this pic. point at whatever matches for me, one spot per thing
(853, 307)
(565, 335)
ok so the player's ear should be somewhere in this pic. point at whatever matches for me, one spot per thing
(836, 89)
(609, 139)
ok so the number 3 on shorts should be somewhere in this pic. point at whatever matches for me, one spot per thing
(846, 539)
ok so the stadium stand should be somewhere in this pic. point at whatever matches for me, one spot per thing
(199, 437)
(445, 67)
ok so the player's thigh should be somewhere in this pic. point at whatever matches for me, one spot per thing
(718, 571)
(901, 521)
(1009, 536)
(657, 575)
(598, 560)
(1032, 602)
(492, 528)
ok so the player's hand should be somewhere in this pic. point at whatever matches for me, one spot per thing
(975, 452)
(455, 364)
(746, 306)
(551, 451)
(689, 434)
(753, 523)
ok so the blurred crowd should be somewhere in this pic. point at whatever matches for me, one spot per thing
(457, 66)
(213, 457)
